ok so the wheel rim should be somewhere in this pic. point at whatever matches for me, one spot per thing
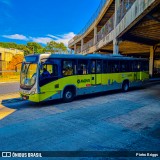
(68, 95)
(126, 87)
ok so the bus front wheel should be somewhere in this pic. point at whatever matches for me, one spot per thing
(68, 95)
(125, 86)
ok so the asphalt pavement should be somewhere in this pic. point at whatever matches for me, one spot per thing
(113, 121)
(9, 87)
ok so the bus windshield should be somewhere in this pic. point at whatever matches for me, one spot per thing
(28, 75)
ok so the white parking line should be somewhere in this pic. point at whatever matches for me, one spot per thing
(9, 82)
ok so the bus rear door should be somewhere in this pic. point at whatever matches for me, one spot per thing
(93, 72)
(98, 72)
(136, 69)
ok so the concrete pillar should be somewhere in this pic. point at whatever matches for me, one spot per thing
(115, 46)
(72, 51)
(95, 35)
(75, 47)
(115, 41)
(151, 61)
(82, 42)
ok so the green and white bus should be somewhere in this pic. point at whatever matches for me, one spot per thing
(55, 76)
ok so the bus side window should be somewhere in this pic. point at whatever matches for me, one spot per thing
(52, 69)
(110, 67)
(99, 66)
(116, 66)
(113, 66)
(125, 66)
(67, 68)
(145, 66)
(136, 66)
(45, 72)
(93, 66)
(49, 68)
(55, 70)
(82, 67)
(105, 66)
(49, 71)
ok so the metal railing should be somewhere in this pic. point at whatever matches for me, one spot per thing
(106, 29)
(89, 44)
(109, 26)
(78, 50)
(91, 21)
(123, 8)
(94, 17)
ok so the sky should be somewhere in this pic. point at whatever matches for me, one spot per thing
(41, 21)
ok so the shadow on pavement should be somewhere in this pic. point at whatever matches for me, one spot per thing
(19, 104)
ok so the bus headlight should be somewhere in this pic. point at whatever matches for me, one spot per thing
(33, 91)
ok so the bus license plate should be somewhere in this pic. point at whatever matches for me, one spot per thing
(25, 97)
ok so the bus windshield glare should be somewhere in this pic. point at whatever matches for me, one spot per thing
(28, 75)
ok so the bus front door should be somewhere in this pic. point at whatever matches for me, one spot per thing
(137, 67)
(98, 72)
(93, 72)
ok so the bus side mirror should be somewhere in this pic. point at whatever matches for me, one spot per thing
(16, 66)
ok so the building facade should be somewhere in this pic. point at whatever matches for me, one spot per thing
(127, 27)
(6, 57)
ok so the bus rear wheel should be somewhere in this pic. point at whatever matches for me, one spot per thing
(125, 86)
(68, 95)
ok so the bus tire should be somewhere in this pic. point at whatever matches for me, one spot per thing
(125, 86)
(68, 95)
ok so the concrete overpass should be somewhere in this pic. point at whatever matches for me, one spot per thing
(128, 27)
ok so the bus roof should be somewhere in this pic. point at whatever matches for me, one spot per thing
(88, 56)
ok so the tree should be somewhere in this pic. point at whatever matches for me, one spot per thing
(16, 46)
(30, 48)
(25, 49)
(54, 47)
(35, 47)
(62, 47)
(8, 45)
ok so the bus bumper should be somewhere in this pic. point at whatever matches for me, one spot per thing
(30, 97)
(40, 97)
